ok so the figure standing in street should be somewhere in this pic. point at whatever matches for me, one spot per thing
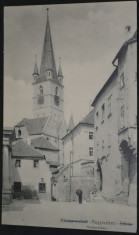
(94, 190)
(79, 192)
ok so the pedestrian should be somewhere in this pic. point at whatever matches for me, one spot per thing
(79, 192)
(94, 190)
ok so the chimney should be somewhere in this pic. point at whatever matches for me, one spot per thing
(128, 32)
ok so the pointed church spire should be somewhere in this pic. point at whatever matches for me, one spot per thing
(47, 67)
(71, 123)
(35, 66)
(60, 69)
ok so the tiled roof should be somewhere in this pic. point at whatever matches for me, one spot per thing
(58, 126)
(60, 69)
(113, 75)
(89, 119)
(35, 66)
(34, 126)
(131, 40)
(115, 72)
(47, 59)
(71, 123)
(43, 143)
(52, 163)
(21, 149)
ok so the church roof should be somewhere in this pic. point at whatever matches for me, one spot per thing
(60, 69)
(43, 143)
(71, 123)
(47, 59)
(89, 120)
(34, 126)
(35, 67)
(21, 149)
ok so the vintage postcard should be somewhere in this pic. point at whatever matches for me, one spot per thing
(70, 116)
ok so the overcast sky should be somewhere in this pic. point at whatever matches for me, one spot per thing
(86, 36)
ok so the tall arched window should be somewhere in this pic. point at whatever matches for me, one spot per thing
(56, 90)
(41, 89)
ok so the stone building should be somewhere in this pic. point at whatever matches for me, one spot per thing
(6, 159)
(37, 148)
(78, 143)
(115, 127)
(30, 174)
(48, 123)
(74, 176)
(78, 159)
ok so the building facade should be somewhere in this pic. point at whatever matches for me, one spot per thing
(48, 104)
(78, 143)
(115, 130)
(6, 159)
(74, 176)
(30, 174)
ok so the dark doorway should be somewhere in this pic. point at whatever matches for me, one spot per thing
(17, 186)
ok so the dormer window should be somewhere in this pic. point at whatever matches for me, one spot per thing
(41, 89)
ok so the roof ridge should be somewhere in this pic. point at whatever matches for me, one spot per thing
(87, 115)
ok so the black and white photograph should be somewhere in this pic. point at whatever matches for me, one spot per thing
(70, 116)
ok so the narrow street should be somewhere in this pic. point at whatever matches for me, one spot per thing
(88, 215)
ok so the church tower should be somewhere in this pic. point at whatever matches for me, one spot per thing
(48, 89)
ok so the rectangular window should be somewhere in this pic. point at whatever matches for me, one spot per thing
(90, 151)
(103, 112)
(18, 163)
(42, 188)
(91, 135)
(36, 163)
(122, 82)
(109, 106)
(122, 116)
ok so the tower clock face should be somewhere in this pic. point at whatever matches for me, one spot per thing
(57, 100)
(40, 100)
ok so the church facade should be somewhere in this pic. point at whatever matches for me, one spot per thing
(36, 151)
(48, 105)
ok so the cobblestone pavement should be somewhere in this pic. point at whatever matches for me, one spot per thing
(88, 215)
